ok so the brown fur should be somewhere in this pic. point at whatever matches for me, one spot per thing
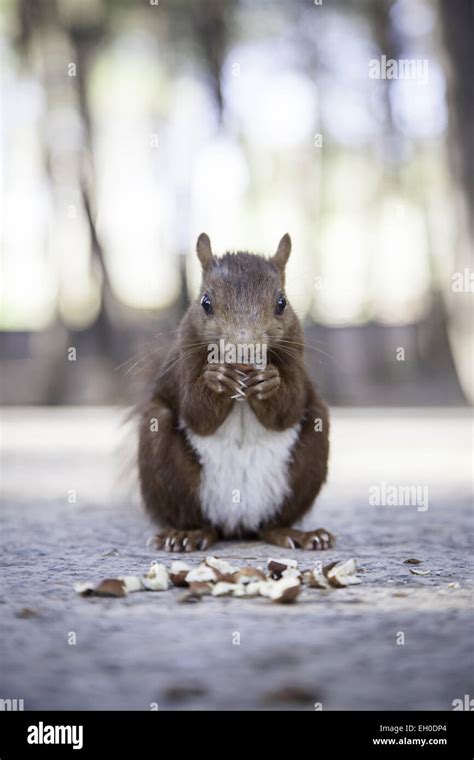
(243, 288)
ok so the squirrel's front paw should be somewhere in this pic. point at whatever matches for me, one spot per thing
(183, 540)
(224, 379)
(263, 383)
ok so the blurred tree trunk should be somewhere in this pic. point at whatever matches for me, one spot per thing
(457, 21)
(458, 32)
(39, 23)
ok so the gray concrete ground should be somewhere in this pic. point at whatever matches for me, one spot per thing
(339, 650)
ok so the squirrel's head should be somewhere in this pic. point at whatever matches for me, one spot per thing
(242, 297)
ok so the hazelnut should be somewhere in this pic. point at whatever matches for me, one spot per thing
(131, 583)
(292, 572)
(178, 573)
(240, 590)
(316, 579)
(220, 566)
(285, 591)
(201, 573)
(189, 597)
(265, 588)
(224, 589)
(249, 589)
(341, 574)
(249, 575)
(200, 588)
(225, 577)
(110, 587)
(156, 578)
(278, 566)
(84, 588)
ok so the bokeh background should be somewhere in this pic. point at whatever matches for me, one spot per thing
(130, 127)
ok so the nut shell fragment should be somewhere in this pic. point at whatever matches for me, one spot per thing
(188, 597)
(224, 589)
(249, 575)
(131, 583)
(178, 572)
(200, 588)
(84, 588)
(202, 573)
(278, 566)
(224, 570)
(316, 579)
(250, 590)
(156, 578)
(285, 590)
(342, 574)
(110, 587)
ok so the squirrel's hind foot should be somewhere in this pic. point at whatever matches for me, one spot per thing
(171, 540)
(290, 538)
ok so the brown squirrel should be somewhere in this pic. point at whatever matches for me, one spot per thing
(234, 448)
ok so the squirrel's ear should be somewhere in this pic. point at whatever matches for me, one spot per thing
(204, 251)
(283, 253)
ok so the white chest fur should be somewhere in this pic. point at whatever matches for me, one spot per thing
(244, 477)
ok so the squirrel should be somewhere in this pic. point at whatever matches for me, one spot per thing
(235, 448)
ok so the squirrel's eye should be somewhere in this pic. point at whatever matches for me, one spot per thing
(206, 304)
(281, 305)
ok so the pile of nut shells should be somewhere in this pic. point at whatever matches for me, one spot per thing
(282, 581)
